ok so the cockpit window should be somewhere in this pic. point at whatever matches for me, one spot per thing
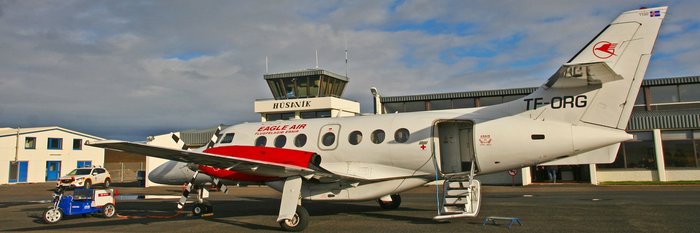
(228, 138)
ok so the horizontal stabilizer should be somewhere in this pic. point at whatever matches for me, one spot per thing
(581, 75)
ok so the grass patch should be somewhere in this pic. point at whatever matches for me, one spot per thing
(684, 182)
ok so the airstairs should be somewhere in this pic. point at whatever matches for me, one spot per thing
(460, 197)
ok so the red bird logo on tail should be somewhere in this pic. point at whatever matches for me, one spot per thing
(604, 49)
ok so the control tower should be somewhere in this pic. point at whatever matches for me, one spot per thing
(312, 93)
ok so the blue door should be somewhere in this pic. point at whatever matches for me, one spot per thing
(23, 171)
(53, 169)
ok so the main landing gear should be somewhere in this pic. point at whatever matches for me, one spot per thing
(389, 202)
(201, 208)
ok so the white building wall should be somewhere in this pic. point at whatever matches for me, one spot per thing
(36, 158)
(164, 140)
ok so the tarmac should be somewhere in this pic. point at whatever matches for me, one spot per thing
(540, 208)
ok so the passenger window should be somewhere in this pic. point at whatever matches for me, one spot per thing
(228, 138)
(401, 135)
(300, 140)
(377, 136)
(355, 137)
(280, 141)
(261, 141)
(328, 139)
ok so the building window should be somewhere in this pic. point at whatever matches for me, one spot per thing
(280, 141)
(415, 106)
(300, 140)
(463, 103)
(228, 138)
(377, 136)
(84, 163)
(77, 144)
(636, 153)
(261, 141)
(689, 92)
(664, 94)
(30, 143)
(491, 100)
(315, 114)
(328, 139)
(393, 107)
(55, 144)
(440, 104)
(401, 135)
(355, 137)
(678, 149)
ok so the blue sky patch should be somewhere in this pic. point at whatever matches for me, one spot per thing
(186, 56)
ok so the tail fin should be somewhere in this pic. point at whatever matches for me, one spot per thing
(600, 83)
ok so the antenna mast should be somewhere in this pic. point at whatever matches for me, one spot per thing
(317, 59)
(346, 55)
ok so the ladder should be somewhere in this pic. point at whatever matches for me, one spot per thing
(461, 197)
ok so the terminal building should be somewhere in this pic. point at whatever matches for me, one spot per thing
(665, 123)
(43, 154)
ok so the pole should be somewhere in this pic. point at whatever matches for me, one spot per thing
(17, 146)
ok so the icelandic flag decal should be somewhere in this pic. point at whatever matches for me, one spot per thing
(655, 13)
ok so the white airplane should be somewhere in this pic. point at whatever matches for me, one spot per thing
(580, 112)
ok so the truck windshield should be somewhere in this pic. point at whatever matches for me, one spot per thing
(80, 172)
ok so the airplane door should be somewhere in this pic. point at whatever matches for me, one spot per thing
(328, 137)
(456, 146)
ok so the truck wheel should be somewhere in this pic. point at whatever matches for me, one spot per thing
(107, 183)
(52, 215)
(88, 184)
(108, 210)
(298, 222)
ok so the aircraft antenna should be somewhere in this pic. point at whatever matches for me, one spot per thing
(346, 55)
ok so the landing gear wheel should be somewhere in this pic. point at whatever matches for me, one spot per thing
(200, 209)
(298, 222)
(395, 202)
(107, 183)
(52, 215)
(88, 184)
(108, 210)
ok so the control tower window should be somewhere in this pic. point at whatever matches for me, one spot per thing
(314, 85)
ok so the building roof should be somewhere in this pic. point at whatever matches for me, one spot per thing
(522, 91)
(5, 132)
(198, 137)
(308, 72)
(673, 119)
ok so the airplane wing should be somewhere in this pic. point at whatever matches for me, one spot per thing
(294, 163)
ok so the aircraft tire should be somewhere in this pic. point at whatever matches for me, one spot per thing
(199, 209)
(298, 222)
(395, 202)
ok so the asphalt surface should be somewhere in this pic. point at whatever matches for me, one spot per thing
(551, 208)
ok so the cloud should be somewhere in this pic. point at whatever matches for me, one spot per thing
(129, 69)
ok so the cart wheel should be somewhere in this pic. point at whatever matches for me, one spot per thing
(108, 210)
(52, 215)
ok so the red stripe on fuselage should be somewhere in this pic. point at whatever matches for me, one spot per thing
(266, 154)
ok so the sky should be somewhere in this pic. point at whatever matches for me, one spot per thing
(129, 69)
